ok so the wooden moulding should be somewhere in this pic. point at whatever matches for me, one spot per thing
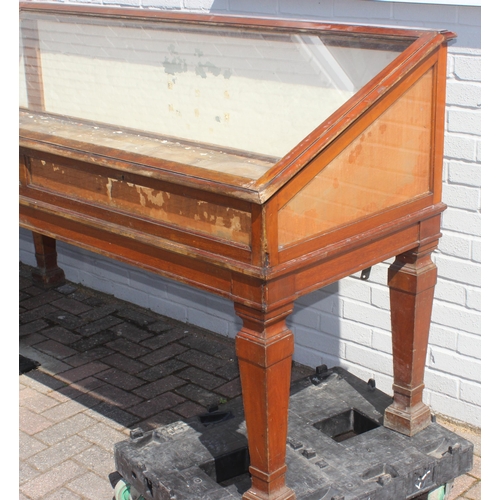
(143, 198)
(208, 181)
(142, 251)
(187, 217)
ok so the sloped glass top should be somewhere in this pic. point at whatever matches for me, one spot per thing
(251, 93)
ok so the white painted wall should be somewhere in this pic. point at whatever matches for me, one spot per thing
(348, 323)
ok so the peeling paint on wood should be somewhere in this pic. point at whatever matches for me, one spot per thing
(157, 204)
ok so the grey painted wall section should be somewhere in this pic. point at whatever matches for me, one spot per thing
(348, 323)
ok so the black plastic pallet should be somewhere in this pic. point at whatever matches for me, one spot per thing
(337, 449)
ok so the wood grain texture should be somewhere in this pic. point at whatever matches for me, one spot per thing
(47, 272)
(364, 186)
(412, 278)
(264, 347)
(388, 164)
(158, 203)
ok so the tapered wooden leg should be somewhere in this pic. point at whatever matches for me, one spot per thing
(412, 278)
(264, 347)
(47, 273)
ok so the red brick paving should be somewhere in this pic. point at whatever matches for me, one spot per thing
(107, 367)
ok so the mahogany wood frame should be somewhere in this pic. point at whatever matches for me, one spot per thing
(262, 281)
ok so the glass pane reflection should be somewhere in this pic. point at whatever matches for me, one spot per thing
(255, 92)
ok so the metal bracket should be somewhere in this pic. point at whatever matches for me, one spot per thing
(322, 373)
(365, 273)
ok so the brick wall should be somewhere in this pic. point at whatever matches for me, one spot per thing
(348, 323)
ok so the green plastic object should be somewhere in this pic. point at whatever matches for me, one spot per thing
(438, 493)
(124, 491)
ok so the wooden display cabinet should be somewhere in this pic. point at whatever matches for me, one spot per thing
(256, 159)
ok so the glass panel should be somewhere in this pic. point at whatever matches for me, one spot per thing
(257, 93)
(387, 165)
(23, 92)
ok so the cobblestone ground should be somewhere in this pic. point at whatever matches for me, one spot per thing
(107, 366)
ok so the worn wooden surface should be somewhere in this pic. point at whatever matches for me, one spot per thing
(264, 347)
(47, 272)
(269, 234)
(169, 151)
(150, 199)
(412, 279)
